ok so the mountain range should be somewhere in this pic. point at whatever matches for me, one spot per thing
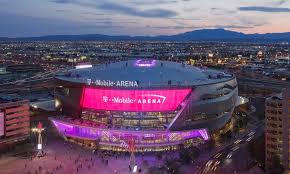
(196, 35)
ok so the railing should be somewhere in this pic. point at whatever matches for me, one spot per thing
(13, 103)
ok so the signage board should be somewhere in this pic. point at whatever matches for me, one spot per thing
(133, 100)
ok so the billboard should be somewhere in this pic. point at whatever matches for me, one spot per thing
(133, 100)
(2, 123)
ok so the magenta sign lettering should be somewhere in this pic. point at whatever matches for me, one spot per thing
(133, 100)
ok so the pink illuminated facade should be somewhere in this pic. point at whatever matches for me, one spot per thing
(133, 100)
(113, 117)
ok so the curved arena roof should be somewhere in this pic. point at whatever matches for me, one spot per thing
(147, 73)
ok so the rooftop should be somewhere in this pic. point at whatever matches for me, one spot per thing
(147, 73)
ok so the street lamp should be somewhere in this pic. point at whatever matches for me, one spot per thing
(132, 162)
(135, 169)
(38, 130)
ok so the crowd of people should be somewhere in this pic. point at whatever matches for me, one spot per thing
(68, 158)
(72, 160)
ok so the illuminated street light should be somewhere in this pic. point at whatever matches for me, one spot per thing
(131, 149)
(39, 129)
(135, 169)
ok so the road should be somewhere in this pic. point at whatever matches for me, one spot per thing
(233, 158)
(263, 82)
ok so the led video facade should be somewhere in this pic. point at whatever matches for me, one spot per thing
(133, 100)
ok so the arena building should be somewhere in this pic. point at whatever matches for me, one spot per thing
(156, 105)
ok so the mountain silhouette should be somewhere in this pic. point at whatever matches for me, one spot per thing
(196, 35)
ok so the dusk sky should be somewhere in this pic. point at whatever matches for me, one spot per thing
(21, 18)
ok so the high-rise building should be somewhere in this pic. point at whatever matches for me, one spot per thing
(286, 129)
(277, 112)
(14, 121)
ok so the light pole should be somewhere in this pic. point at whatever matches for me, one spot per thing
(132, 162)
(39, 129)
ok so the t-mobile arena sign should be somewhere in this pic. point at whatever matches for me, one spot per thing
(133, 100)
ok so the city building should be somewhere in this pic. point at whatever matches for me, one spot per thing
(22, 68)
(14, 121)
(157, 104)
(286, 129)
(277, 113)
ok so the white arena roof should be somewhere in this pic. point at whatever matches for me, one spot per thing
(147, 73)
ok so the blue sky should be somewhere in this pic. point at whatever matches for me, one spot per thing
(140, 17)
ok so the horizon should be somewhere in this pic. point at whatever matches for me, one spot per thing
(139, 35)
(138, 18)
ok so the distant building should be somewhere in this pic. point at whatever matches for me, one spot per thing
(277, 111)
(286, 129)
(20, 68)
(14, 121)
(83, 65)
(2, 69)
(260, 55)
(283, 60)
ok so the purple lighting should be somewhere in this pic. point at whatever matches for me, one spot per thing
(203, 133)
(145, 63)
(116, 137)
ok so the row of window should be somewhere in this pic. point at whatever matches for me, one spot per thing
(274, 139)
(274, 125)
(274, 112)
(213, 96)
(274, 105)
(274, 132)
(274, 118)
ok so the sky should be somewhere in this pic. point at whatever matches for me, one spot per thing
(24, 18)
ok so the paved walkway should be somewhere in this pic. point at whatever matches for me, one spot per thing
(64, 158)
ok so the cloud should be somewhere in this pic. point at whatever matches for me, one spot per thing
(93, 13)
(265, 9)
(152, 2)
(252, 21)
(59, 11)
(155, 2)
(96, 19)
(169, 27)
(63, 1)
(151, 13)
(281, 2)
(39, 26)
(230, 26)
(190, 9)
(123, 9)
(221, 11)
(186, 19)
(178, 27)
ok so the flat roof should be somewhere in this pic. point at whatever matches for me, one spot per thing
(147, 73)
